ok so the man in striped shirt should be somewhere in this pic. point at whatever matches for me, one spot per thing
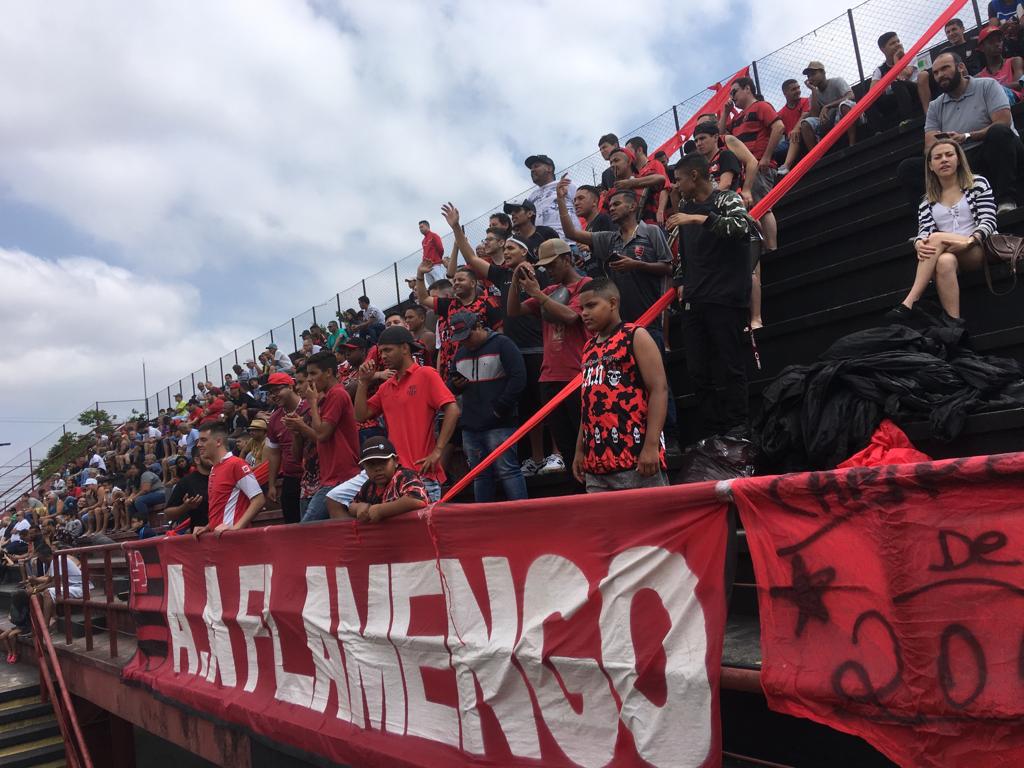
(235, 497)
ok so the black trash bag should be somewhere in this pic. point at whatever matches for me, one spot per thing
(718, 457)
(816, 416)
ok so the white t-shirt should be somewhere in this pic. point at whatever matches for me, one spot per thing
(21, 525)
(545, 200)
(152, 431)
(97, 461)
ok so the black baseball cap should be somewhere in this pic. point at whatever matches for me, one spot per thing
(462, 324)
(377, 448)
(540, 159)
(356, 342)
(513, 206)
(396, 334)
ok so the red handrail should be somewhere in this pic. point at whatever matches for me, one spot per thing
(57, 691)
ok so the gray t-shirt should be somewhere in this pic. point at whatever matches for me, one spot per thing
(973, 111)
(835, 88)
(639, 289)
(153, 480)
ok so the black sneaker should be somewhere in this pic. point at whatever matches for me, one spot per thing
(898, 313)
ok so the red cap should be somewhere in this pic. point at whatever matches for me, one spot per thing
(989, 30)
(280, 379)
(235, 385)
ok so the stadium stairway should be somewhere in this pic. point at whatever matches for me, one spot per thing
(845, 258)
(29, 734)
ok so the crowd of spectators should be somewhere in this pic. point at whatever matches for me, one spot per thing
(377, 414)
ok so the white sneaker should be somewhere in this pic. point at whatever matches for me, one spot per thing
(781, 171)
(552, 463)
(529, 468)
(1006, 207)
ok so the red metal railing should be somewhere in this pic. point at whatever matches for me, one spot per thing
(55, 690)
(110, 605)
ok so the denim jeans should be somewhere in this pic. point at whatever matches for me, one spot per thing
(145, 501)
(316, 509)
(433, 489)
(478, 445)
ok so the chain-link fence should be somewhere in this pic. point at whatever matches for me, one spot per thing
(846, 45)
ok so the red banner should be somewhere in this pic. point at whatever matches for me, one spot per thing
(571, 631)
(713, 105)
(889, 604)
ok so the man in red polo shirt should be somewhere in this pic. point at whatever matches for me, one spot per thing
(796, 108)
(234, 494)
(409, 401)
(283, 464)
(332, 427)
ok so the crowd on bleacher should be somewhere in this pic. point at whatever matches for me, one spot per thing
(381, 411)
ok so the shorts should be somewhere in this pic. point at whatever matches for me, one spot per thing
(763, 184)
(623, 481)
(821, 127)
(343, 493)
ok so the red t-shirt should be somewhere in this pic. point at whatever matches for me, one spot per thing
(280, 437)
(231, 487)
(563, 344)
(409, 405)
(753, 126)
(339, 453)
(790, 116)
(433, 248)
(650, 209)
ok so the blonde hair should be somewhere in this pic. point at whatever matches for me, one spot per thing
(932, 185)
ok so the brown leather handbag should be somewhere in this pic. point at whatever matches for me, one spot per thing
(1003, 249)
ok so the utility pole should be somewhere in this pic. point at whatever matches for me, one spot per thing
(145, 390)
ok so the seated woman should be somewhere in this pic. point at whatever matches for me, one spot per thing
(955, 217)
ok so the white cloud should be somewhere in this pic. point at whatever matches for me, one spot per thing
(84, 329)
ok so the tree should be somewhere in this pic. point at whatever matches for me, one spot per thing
(96, 418)
(69, 446)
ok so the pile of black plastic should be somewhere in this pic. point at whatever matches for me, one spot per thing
(816, 416)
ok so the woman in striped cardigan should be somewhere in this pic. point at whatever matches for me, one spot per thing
(955, 217)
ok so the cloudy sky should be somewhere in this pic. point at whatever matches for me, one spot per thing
(175, 179)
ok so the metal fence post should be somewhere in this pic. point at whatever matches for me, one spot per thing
(295, 339)
(856, 45)
(757, 80)
(254, 357)
(337, 298)
(398, 291)
(206, 373)
(314, 317)
(221, 361)
(675, 116)
(364, 287)
(977, 12)
(31, 470)
(193, 384)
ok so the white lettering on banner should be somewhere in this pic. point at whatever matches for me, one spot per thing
(485, 657)
(222, 659)
(374, 669)
(374, 662)
(327, 656)
(678, 732)
(177, 622)
(555, 586)
(431, 720)
(252, 579)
